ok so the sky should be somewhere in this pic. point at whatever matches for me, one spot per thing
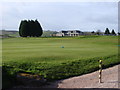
(57, 16)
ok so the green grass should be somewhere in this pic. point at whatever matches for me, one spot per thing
(45, 56)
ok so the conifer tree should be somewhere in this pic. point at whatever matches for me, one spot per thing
(107, 32)
(30, 28)
(113, 32)
(23, 29)
(39, 30)
(20, 28)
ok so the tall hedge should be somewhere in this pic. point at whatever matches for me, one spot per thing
(30, 28)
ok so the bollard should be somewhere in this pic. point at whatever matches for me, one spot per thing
(100, 71)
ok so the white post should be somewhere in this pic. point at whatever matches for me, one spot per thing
(100, 71)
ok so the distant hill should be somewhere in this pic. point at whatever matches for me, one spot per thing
(10, 33)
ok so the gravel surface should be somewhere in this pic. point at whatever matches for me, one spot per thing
(109, 80)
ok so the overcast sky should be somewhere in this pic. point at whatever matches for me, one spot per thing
(84, 16)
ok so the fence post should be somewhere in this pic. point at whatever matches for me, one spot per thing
(100, 71)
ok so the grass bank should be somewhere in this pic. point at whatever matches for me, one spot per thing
(58, 58)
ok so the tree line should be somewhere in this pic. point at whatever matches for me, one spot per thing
(30, 28)
(107, 32)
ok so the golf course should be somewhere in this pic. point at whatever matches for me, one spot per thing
(57, 57)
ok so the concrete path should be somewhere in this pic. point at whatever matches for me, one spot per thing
(109, 80)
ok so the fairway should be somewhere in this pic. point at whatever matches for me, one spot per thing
(49, 49)
(47, 57)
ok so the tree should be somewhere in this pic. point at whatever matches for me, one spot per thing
(20, 28)
(30, 28)
(107, 32)
(92, 32)
(113, 32)
(23, 29)
(38, 28)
